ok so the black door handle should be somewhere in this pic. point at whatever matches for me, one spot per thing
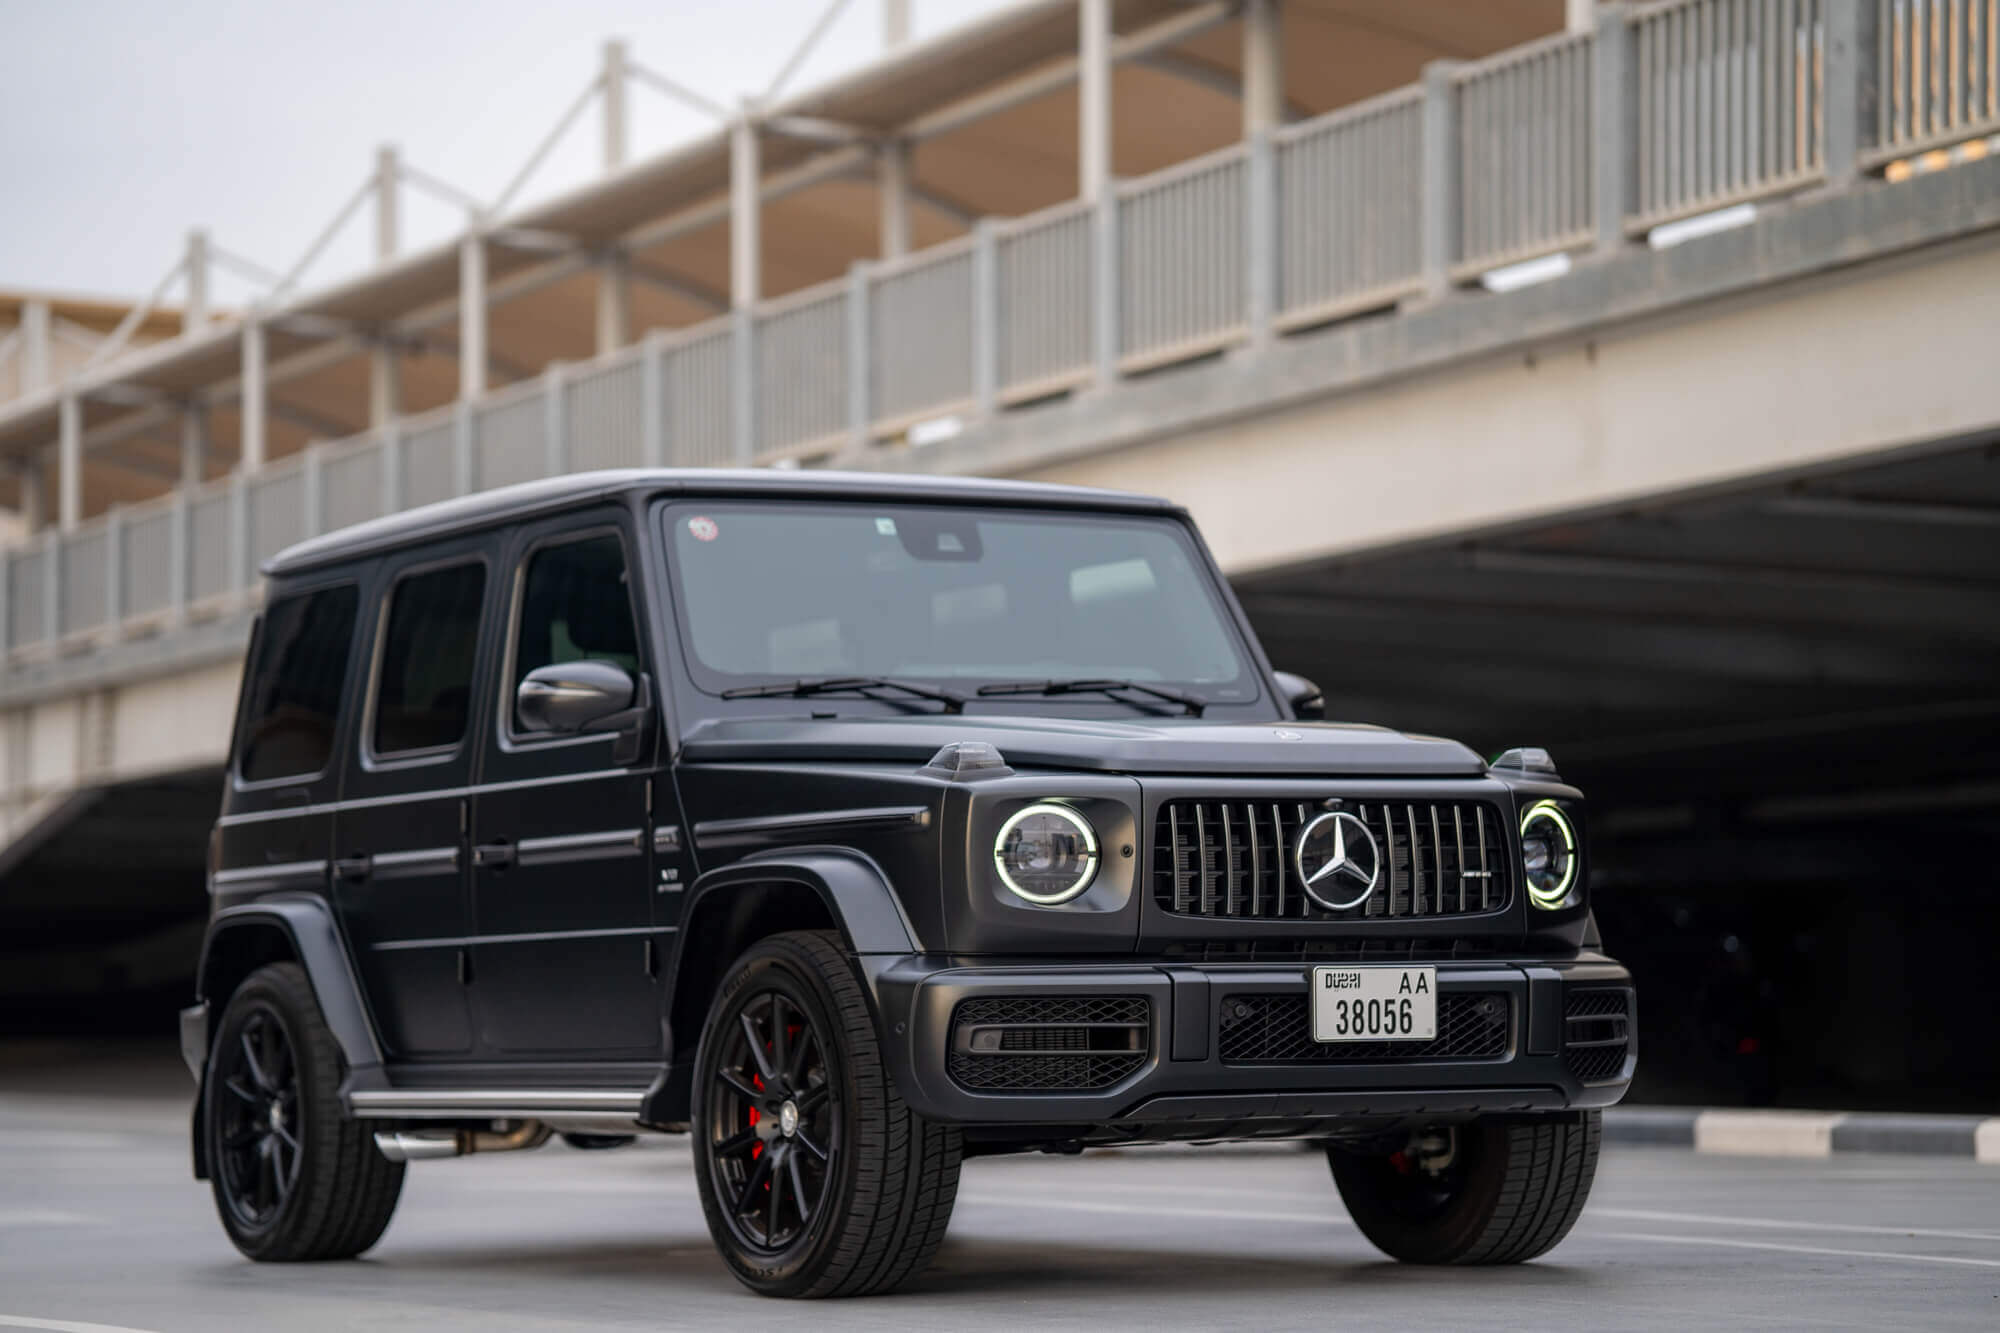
(494, 855)
(354, 867)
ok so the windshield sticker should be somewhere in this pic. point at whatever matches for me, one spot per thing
(886, 526)
(702, 528)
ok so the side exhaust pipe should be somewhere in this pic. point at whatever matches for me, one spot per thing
(422, 1145)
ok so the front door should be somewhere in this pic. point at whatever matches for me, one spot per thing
(567, 952)
(402, 852)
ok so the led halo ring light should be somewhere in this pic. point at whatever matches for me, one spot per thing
(1551, 898)
(1088, 854)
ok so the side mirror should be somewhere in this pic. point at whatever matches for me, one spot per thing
(570, 696)
(1308, 704)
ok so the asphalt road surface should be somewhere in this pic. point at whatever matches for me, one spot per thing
(101, 1225)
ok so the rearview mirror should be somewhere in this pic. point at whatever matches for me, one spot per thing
(1308, 704)
(569, 696)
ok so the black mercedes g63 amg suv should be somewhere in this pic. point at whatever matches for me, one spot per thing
(855, 825)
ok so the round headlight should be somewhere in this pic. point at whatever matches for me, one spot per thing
(1046, 854)
(1549, 856)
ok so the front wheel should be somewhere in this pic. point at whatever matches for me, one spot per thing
(1488, 1192)
(815, 1177)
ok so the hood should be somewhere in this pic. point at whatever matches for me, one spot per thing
(1236, 749)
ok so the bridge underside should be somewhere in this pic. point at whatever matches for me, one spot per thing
(1784, 702)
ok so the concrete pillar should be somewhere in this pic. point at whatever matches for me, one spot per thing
(860, 372)
(1851, 86)
(1093, 89)
(1263, 68)
(472, 314)
(385, 384)
(194, 444)
(69, 462)
(37, 345)
(1579, 16)
(195, 315)
(895, 23)
(255, 396)
(614, 301)
(745, 242)
(1440, 176)
(892, 176)
(388, 177)
(615, 133)
(34, 494)
(1614, 126)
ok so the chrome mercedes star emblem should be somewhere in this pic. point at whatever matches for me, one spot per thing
(1336, 853)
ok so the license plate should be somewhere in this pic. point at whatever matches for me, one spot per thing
(1374, 1003)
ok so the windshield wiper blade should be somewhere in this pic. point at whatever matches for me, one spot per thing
(1192, 703)
(801, 689)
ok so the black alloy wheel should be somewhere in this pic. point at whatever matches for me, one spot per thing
(774, 1127)
(293, 1177)
(816, 1178)
(257, 1115)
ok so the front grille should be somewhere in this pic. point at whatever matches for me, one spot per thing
(1048, 1043)
(1277, 1030)
(1597, 1033)
(1233, 859)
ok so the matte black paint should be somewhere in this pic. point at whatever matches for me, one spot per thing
(519, 911)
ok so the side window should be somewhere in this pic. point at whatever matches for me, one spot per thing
(296, 676)
(423, 697)
(576, 606)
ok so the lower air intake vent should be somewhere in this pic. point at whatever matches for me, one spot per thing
(1597, 1033)
(1048, 1043)
(1277, 1030)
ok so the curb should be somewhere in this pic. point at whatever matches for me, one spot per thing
(1804, 1133)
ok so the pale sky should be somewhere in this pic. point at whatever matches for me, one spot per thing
(123, 123)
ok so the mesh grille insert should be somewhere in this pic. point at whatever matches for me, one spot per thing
(1048, 1043)
(1597, 1032)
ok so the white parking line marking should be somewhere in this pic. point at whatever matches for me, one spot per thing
(64, 1325)
(1219, 1214)
(1891, 1255)
(1779, 1224)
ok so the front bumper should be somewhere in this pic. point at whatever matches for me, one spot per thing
(1184, 1084)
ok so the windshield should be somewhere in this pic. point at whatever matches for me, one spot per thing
(781, 592)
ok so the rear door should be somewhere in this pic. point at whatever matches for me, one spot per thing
(402, 851)
(568, 951)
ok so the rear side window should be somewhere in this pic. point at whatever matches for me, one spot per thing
(423, 697)
(575, 607)
(296, 676)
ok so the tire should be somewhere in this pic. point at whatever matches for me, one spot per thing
(1511, 1192)
(293, 1178)
(880, 1179)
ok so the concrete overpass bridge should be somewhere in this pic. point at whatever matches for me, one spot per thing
(1487, 448)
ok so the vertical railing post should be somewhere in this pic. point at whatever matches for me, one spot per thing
(555, 421)
(462, 470)
(859, 335)
(1614, 124)
(180, 556)
(653, 400)
(1105, 288)
(1440, 176)
(392, 468)
(52, 620)
(985, 318)
(239, 533)
(114, 570)
(1850, 90)
(743, 385)
(1260, 237)
(312, 508)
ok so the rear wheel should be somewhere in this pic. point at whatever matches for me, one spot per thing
(1489, 1192)
(293, 1178)
(816, 1178)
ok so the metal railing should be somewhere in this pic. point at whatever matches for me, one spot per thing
(1665, 110)
(1938, 76)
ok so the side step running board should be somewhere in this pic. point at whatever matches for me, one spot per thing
(565, 1104)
